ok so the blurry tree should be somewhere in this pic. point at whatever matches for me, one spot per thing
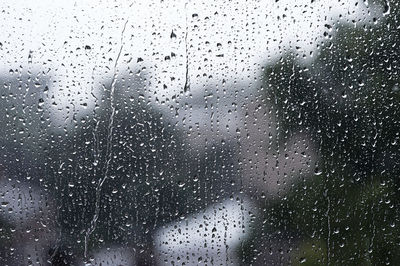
(348, 100)
(148, 175)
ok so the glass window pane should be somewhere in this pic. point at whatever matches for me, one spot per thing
(199, 132)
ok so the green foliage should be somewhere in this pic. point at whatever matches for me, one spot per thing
(348, 102)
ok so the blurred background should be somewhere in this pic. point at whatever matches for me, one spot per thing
(200, 132)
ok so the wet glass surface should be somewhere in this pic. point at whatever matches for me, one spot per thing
(199, 133)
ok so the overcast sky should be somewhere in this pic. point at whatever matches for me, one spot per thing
(77, 44)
